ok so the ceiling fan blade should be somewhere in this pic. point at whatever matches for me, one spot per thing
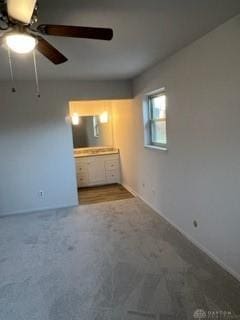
(21, 10)
(51, 53)
(76, 32)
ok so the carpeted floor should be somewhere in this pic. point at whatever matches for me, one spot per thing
(110, 261)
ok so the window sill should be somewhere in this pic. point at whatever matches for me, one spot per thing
(149, 146)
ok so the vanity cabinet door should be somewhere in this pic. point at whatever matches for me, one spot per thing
(82, 172)
(96, 170)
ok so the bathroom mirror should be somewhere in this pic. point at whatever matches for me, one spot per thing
(92, 131)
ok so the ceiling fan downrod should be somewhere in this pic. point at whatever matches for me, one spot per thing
(11, 71)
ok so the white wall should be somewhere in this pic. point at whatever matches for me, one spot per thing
(198, 178)
(36, 142)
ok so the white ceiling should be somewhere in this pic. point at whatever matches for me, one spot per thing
(144, 33)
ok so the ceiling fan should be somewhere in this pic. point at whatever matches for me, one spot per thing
(17, 18)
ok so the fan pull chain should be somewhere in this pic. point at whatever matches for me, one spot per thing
(11, 70)
(36, 74)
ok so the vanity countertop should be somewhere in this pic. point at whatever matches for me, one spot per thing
(89, 152)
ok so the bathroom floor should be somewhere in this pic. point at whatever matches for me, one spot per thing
(105, 193)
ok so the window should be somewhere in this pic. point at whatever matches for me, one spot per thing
(157, 120)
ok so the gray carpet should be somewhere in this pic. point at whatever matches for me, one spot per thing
(114, 261)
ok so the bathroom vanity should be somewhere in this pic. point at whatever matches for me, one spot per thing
(97, 161)
(97, 166)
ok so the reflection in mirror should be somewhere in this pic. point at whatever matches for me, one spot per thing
(91, 131)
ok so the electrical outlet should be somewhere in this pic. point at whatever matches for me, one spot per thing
(41, 194)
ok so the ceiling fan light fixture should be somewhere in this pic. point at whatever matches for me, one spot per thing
(21, 10)
(21, 43)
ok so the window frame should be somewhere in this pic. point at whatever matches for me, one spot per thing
(150, 97)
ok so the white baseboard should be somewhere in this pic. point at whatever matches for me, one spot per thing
(130, 190)
(190, 238)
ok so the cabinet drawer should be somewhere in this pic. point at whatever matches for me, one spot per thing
(112, 176)
(81, 167)
(111, 164)
(82, 179)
